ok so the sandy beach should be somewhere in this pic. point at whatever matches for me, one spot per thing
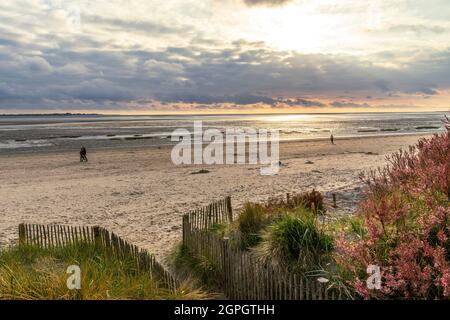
(140, 194)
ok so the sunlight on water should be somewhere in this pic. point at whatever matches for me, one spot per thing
(289, 117)
(69, 132)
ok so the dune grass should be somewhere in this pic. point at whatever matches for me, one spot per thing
(249, 224)
(33, 273)
(255, 218)
(196, 269)
(296, 239)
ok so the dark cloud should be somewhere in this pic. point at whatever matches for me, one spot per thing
(243, 73)
(42, 65)
(7, 42)
(349, 104)
(219, 106)
(382, 84)
(425, 90)
(6, 92)
(242, 98)
(429, 91)
(266, 2)
(97, 89)
(296, 102)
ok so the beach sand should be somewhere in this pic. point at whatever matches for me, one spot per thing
(141, 195)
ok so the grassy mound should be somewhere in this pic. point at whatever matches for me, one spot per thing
(29, 272)
(300, 238)
(283, 231)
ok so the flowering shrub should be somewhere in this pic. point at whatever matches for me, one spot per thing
(407, 221)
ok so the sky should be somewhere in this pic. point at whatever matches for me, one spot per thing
(224, 56)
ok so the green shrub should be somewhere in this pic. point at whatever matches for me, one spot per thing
(300, 236)
(250, 222)
(297, 240)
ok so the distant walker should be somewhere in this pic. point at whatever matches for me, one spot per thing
(332, 139)
(83, 155)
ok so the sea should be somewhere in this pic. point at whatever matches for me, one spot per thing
(30, 133)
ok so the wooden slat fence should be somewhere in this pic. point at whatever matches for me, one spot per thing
(205, 217)
(243, 277)
(52, 236)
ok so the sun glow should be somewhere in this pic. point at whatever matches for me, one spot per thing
(304, 27)
(292, 29)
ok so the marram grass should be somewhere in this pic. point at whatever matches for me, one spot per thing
(32, 273)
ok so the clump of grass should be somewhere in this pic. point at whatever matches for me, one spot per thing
(312, 200)
(254, 218)
(30, 272)
(189, 266)
(250, 222)
(219, 229)
(297, 239)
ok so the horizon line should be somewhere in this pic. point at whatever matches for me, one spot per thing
(204, 114)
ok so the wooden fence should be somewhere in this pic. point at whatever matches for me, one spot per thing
(52, 236)
(205, 217)
(242, 276)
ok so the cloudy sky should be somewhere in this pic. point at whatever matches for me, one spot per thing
(139, 56)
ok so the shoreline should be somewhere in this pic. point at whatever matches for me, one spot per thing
(12, 151)
(141, 195)
(70, 114)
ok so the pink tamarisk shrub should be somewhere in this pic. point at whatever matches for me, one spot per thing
(406, 214)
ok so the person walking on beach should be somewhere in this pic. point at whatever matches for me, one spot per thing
(83, 156)
(332, 139)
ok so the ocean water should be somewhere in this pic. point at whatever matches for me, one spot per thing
(67, 132)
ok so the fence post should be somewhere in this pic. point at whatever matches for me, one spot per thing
(21, 234)
(229, 209)
(96, 232)
(184, 230)
(225, 253)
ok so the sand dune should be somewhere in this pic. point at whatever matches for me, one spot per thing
(141, 195)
